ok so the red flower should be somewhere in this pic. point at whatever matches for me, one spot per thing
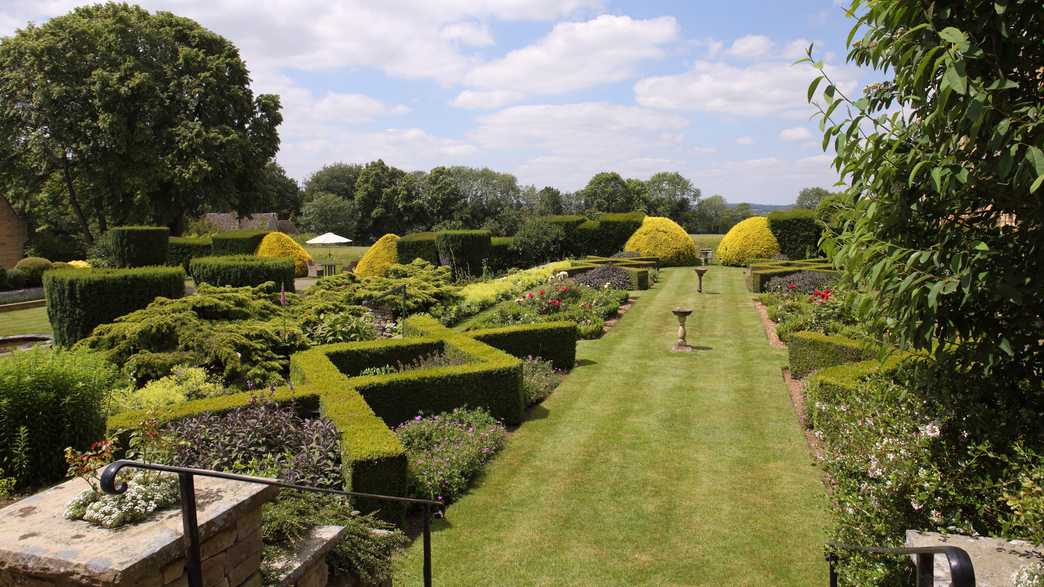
(541, 293)
(791, 286)
(529, 295)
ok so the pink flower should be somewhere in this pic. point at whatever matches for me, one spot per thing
(282, 295)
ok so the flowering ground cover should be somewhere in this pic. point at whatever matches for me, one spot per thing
(647, 466)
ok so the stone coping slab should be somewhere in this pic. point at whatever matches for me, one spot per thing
(36, 539)
(995, 560)
(319, 541)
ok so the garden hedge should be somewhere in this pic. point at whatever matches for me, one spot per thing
(464, 251)
(501, 257)
(812, 351)
(797, 232)
(608, 234)
(664, 239)
(417, 245)
(181, 250)
(50, 400)
(363, 407)
(749, 240)
(279, 244)
(833, 385)
(552, 341)
(80, 299)
(28, 272)
(139, 246)
(569, 224)
(242, 270)
(762, 271)
(237, 242)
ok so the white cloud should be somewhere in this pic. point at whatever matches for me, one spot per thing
(751, 47)
(468, 33)
(796, 49)
(744, 140)
(573, 56)
(760, 89)
(797, 133)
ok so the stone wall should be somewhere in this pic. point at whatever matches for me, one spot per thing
(13, 234)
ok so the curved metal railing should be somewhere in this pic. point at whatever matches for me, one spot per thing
(962, 573)
(186, 485)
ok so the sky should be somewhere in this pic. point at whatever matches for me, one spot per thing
(552, 91)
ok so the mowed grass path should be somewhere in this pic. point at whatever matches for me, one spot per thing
(29, 321)
(649, 467)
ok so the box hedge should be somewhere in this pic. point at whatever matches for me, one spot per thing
(237, 242)
(28, 272)
(242, 270)
(811, 351)
(762, 271)
(796, 231)
(181, 250)
(608, 234)
(464, 251)
(569, 224)
(552, 341)
(139, 246)
(80, 299)
(835, 384)
(501, 257)
(418, 245)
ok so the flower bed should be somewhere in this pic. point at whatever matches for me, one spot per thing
(561, 299)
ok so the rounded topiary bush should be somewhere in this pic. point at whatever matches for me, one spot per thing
(139, 246)
(748, 240)
(243, 270)
(663, 238)
(382, 255)
(80, 299)
(279, 244)
(32, 270)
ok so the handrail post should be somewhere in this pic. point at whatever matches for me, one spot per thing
(831, 561)
(925, 569)
(427, 545)
(193, 564)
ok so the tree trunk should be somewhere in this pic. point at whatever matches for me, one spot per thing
(74, 200)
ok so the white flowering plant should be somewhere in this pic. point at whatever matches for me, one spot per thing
(147, 491)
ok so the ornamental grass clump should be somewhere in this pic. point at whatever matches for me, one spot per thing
(446, 451)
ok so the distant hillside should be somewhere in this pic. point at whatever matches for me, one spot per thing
(762, 209)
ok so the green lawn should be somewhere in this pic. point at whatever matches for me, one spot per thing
(649, 467)
(31, 321)
(341, 254)
(707, 241)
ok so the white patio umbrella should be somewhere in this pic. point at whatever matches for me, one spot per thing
(329, 239)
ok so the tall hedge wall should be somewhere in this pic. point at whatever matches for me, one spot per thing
(237, 242)
(139, 246)
(464, 251)
(501, 257)
(608, 234)
(797, 232)
(80, 299)
(181, 250)
(418, 245)
(243, 270)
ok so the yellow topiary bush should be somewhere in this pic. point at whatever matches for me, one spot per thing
(750, 239)
(383, 254)
(664, 238)
(278, 244)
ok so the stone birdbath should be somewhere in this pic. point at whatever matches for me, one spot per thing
(705, 256)
(681, 345)
(700, 271)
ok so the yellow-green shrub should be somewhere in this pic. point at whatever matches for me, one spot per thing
(382, 255)
(750, 239)
(278, 244)
(663, 238)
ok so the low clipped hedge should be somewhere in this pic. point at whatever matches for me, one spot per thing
(237, 242)
(139, 246)
(353, 360)
(833, 385)
(182, 249)
(796, 231)
(501, 257)
(811, 351)
(242, 270)
(80, 299)
(417, 245)
(464, 251)
(762, 271)
(552, 341)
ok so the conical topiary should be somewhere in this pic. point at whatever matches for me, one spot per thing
(748, 240)
(664, 238)
(382, 255)
(278, 244)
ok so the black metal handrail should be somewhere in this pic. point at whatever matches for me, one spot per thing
(186, 485)
(962, 573)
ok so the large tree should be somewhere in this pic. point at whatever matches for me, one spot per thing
(608, 192)
(337, 178)
(549, 202)
(809, 198)
(388, 200)
(669, 193)
(143, 117)
(277, 192)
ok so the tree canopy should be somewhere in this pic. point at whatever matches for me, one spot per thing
(809, 198)
(125, 116)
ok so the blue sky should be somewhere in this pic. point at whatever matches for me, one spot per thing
(550, 90)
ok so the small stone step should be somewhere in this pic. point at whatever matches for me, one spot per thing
(305, 565)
